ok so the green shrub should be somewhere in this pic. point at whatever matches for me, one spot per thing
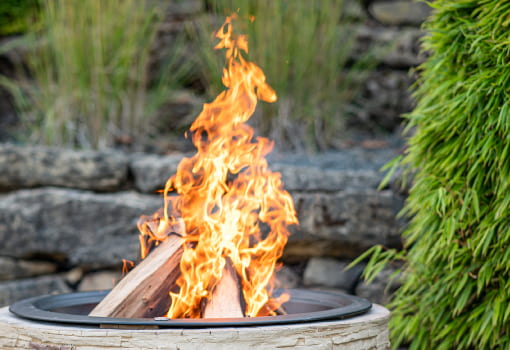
(303, 50)
(15, 15)
(89, 73)
(456, 291)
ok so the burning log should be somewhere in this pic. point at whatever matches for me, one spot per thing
(143, 292)
(227, 298)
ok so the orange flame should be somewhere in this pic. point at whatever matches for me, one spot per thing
(231, 205)
(126, 266)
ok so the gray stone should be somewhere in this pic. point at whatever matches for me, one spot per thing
(330, 172)
(394, 47)
(178, 112)
(355, 158)
(73, 276)
(151, 171)
(13, 291)
(108, 252)
(287, 278)
(178, 8)
(344, 224)
(87, 228)
(328, 272)
(32, 166)
(184, 8)
(383, 98)
(326, 172)
(305, 178)
(400, 12)
(381, 288)
(11, 268)
(100, 280)
(353, 11)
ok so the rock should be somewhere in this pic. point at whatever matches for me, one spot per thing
(330, 172)
(383, 98)
(381, 288)
(353, 11)
(11, 268)
(178, 112)
(73, 276)
(287, 278)
(13, 291)
(32, 166)
(355, 158)
(340, 210)
(95, 230)
(99, 280)
(171, 49)
(304, 178)
(399, 12)
(184, 8)
(344, 224)
(327, 172)
(173, 10)
(8, 117)
(328, 272)
(151, 172)
(109, 252)
(394, 47)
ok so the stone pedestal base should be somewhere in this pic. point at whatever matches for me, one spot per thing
(368, 331)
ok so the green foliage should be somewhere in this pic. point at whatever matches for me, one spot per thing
(89, 63)
(15, 15)
(456, 293)
(303, 50)
(378, 259)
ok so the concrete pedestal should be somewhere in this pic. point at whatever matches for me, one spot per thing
(368, 331)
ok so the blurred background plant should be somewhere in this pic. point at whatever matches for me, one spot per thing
(16, 15)
(88, 84)
(304, 51)
(88, 81)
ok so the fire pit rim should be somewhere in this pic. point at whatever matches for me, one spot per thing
(39, 309)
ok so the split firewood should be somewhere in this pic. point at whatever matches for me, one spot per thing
(227, 297)
(281, 311)
(269, 310)
(156, 230)
(143, 292)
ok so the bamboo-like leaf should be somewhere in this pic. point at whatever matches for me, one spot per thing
(455, 294)
(391, 167)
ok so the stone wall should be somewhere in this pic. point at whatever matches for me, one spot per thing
(68, 218)
(387, 30)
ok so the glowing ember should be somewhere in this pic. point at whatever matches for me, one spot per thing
(231, 205)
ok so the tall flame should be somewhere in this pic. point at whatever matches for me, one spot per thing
(231, 205)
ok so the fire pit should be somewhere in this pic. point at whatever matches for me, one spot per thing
(208, 255)
(314, 320)
(304, 306)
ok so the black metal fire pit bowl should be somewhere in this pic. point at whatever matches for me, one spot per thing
(303, 306)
